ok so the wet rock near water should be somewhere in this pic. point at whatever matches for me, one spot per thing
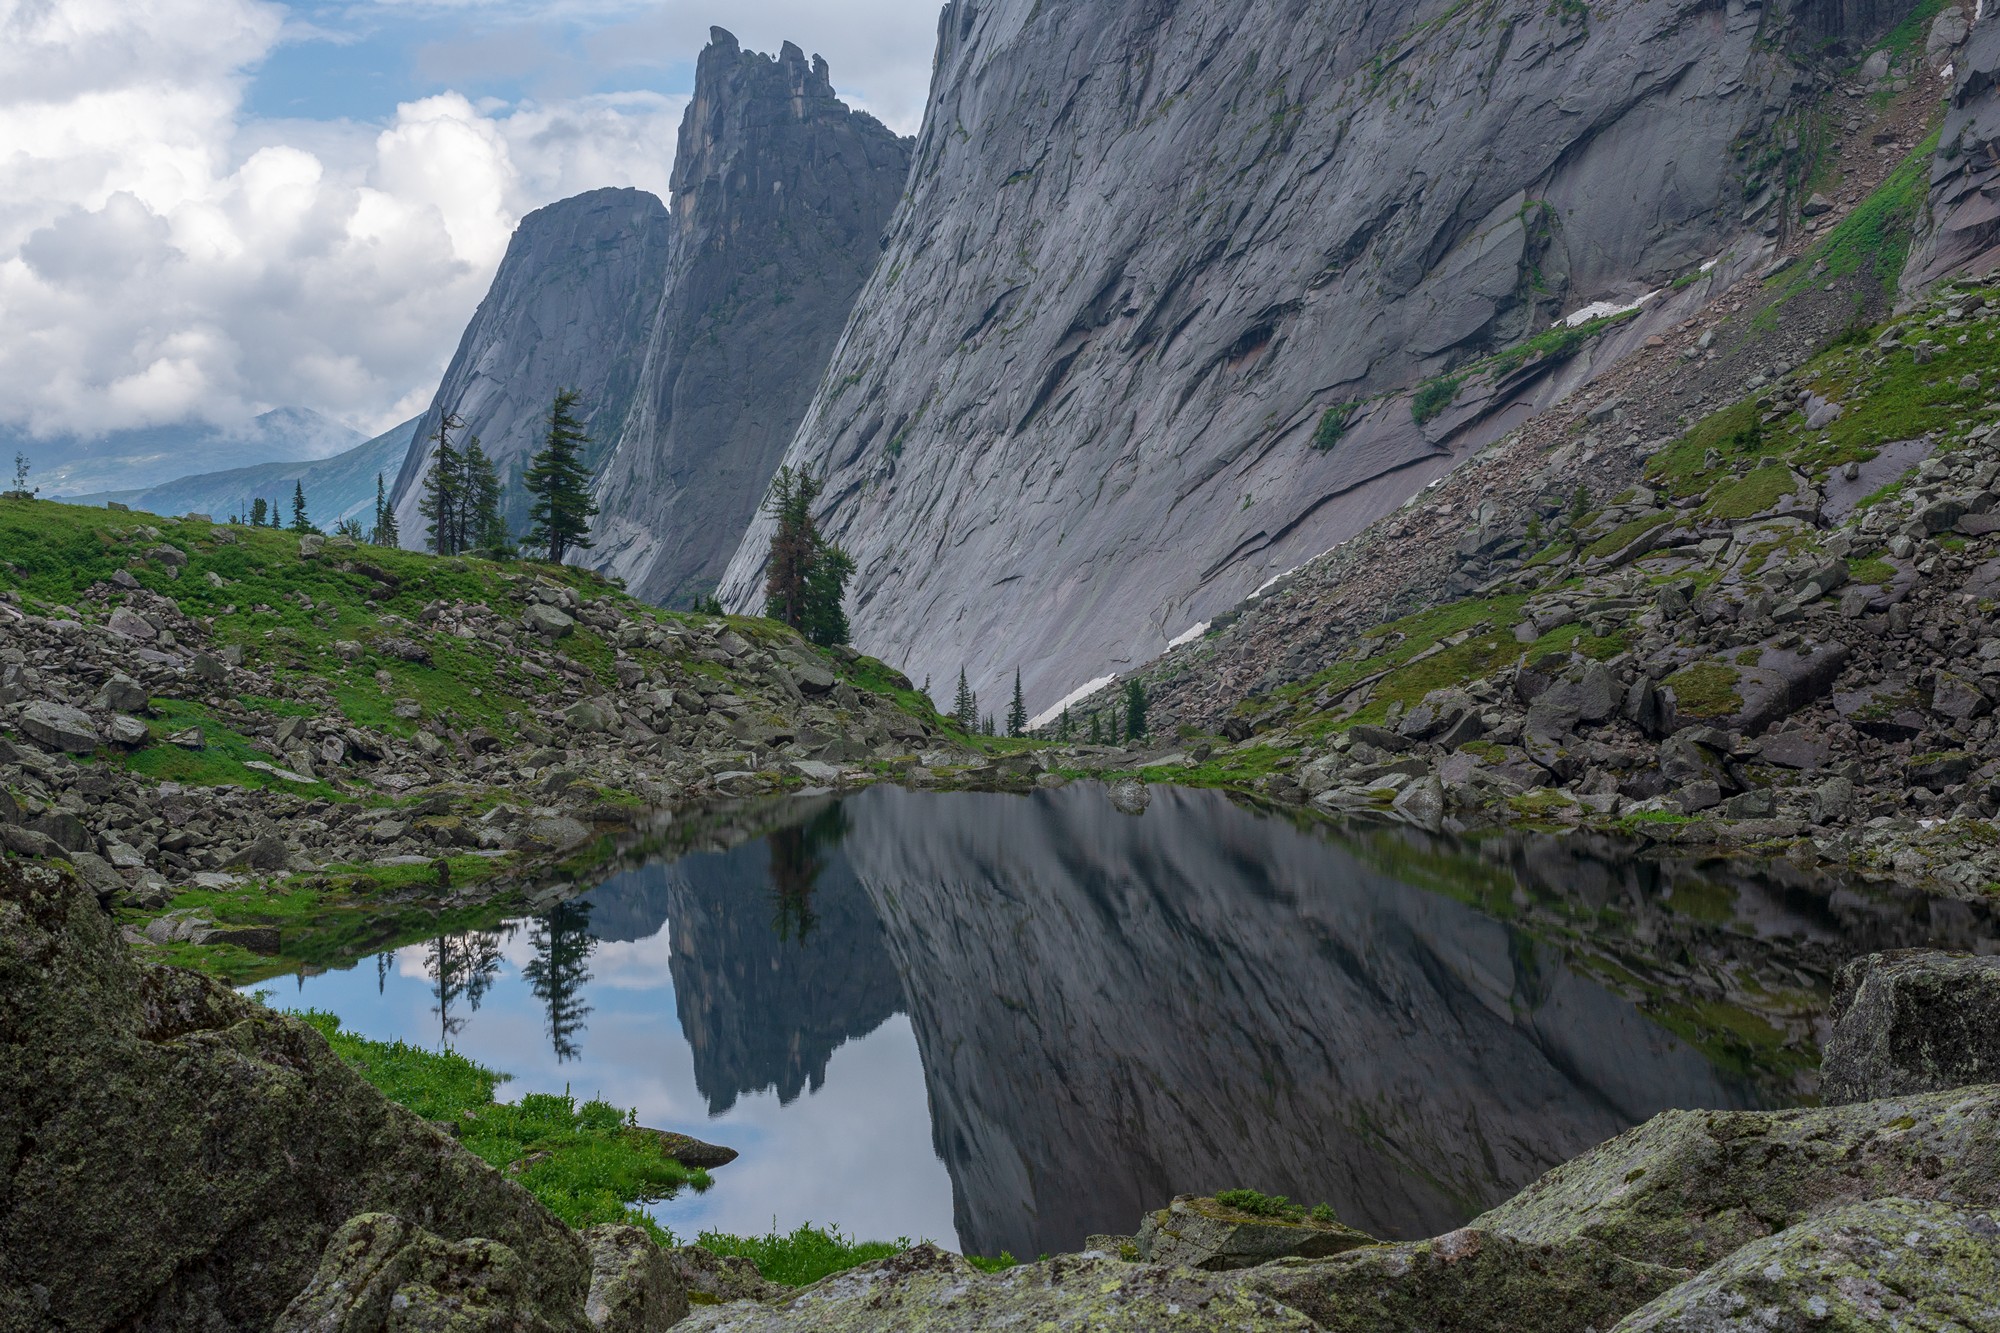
(1912, 1021)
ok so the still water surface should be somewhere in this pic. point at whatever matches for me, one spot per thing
(1004, 1022)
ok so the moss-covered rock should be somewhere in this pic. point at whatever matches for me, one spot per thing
(1466, 1282)
(1206, 1233)
(380, 1274)
(1688, 1188)
(1912, 1021)
(633, 1289)
(173, 1155)
(933, 1291)
(1885, 1264)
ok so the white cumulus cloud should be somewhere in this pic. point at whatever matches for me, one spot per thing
(163, 256)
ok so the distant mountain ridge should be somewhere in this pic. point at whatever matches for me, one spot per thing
(72, 465)
(339, 487)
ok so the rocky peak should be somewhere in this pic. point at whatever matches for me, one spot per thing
(780, 197)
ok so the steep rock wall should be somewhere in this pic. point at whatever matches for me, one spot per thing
(780, 197)
(1148, 246)
(569, 308)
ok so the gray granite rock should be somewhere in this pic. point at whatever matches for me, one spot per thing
(1142, 261)
(1910, 1021)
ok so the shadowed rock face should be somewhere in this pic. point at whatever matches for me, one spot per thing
(780, 197)
(1147, 247)
(568, 309)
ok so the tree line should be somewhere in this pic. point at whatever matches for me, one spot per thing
(1126, 719)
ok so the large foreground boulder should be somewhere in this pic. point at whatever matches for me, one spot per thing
(1467, 1282)
(1912, 1021)
(930, 1290)
(1886, 1264)
(1688, 1188)
(174, 1156)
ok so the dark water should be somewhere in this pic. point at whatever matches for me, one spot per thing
(1004, 1022)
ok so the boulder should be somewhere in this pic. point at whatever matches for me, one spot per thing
(129, 624)
(1466, 1282)
(381, 1274)
(180, 1157)
(717, 1279)
(1130, 796)
(121, 694)
(692, 1152)
(311, 545)
(1912, 1021)
(929, 1289)
(1205, 1233)
(1885, 1264)
(547, 621)
(128, 732)
(210, 669)
(1688, 1187)
(633, 1289)
(812, 678)
(60, 726)
(64, 829)
(1796, 749)
(266, 852)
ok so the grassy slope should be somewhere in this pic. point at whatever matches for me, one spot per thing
(288, 614)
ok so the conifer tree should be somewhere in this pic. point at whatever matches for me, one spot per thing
(444, 489)
(485, 527)
(1096, 730)
(965, 706)
(1017, 711)
(807, 574)
(986, 725)
(1063, 727)
(384, 532)
(257, 508)
(299, 520)
(1135, 711)
(560, 484)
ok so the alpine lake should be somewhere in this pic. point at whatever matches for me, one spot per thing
(1004, 1022)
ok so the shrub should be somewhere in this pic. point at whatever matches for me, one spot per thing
(1434, 396)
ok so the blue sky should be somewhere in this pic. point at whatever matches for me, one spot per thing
(211, 208)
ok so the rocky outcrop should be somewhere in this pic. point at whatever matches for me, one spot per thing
(1889, 1263)
(780, 197)
(570, 308)
(1912, 1021)
(1145, 332)
(927, 1288)
(1960, 230)
(178, 1156)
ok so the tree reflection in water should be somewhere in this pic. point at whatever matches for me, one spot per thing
(462, 967)
(560, 970)
(795, 868)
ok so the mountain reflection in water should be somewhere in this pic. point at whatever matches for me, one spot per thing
(1111, 1009)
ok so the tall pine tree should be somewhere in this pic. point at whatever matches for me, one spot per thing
(807, 574)
(1135, 711)
(1017, 711)
(965, 706)
(444, 489)
(560, 484)
(258, 507)
(485, 528)
(384, 532)
(299, 521)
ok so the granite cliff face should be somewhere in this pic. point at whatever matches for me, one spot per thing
(1152, 255)
(568, 309)
(780, 197)
(695, 336)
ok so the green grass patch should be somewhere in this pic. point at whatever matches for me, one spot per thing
(1873, 239)
(1275, 1206)
(1750, 495)
(588, 1163)
(1434, 396)
(807, 1253)
(1734, 432)
(1705, 689)
(1624, 535)
(1870, 569)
